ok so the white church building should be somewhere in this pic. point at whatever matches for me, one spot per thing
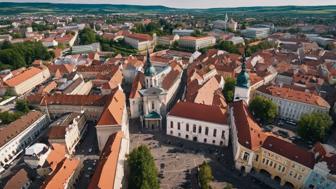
(153, 91)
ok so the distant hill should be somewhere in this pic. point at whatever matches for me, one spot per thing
(7, 8)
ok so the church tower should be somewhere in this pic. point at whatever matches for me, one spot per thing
(149, 72)
(242, 89)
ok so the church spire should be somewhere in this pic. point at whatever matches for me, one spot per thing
(243, 78)
(149, 68)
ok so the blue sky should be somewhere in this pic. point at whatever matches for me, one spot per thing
(196, 3)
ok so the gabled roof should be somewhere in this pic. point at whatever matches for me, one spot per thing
(289, 150)
(250, 135)
(10, 131)
(105, 173)
(137, 85)
(290, 93)
(113, 112)
(197, 112)
(23, 76)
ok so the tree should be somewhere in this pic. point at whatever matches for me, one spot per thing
(198, 33)
(228, 90)
(143, 173)
(227, 46)
(314, 126)
(22, 106)
(263, 109)
(87, 36)
(205, 175)
(8, 117)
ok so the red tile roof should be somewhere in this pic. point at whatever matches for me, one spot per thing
(290, 93)
(10, 131)
(250, 135)
(18, 180)
(113, 112)
(106, 170)
(137, 84)
(196, 111)
(290, 151)
(140, 36)
(59, 178)
(23, 76)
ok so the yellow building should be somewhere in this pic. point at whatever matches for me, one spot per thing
(257, 151)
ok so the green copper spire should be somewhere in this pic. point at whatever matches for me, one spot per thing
(149, 68)
(243, 78)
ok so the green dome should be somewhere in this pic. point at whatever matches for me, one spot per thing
(150, 71)
(243, 79)
(149, 68)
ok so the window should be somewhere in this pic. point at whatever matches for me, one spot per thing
(267, 162)
(171, 132)
(223, 134)
(205, 140)
(215, 132)
(221, 143)
(153, 105)
(271, 163)
(257, 157)
(213, 142)
(179, 134)
(206, 130)
(194, 128)
(171, 124)
(199, 129)
(246, 156)
(187, 136)
(178, 126)
(187, 126)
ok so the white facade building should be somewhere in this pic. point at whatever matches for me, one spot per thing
(189, 121)
(153, 92)
(196, 43)
(292, 103)
(16, 136)
(256, 33)
(182, 32)
(36, 155)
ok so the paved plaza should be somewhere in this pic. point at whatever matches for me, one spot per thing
(177, 161)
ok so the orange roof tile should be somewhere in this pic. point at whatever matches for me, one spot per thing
(10, 131)
(65, 172)
(250, 135)
(105, 172)
(23, 76)
(113, 112)
(213, 113)
(290, 93)
(137, 85)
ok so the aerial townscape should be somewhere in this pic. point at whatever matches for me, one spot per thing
(104, 96)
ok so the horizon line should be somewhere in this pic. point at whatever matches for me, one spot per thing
(171, 7)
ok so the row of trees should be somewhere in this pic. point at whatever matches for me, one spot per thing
(22, 54)
(250, 50)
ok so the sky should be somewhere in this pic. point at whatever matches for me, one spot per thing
(196, 3)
